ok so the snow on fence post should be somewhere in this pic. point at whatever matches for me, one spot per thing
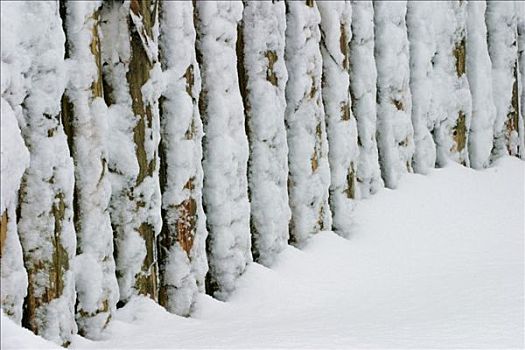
(479, 74)
(85, 122)
(45, 223)
(262, 78)
(422, 48)
(394, 105)
(451, 101)
(363, 76)
(15, 160)
(132, 84)
(461, 126)
(181, 245)
(501, 18)
(309, 172)
(225, 146)
(520, 6)
(341, 126)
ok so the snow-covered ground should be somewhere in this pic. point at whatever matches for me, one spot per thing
(438, 262)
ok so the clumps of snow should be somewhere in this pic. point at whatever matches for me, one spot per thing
(15, 159)
(45, 223)
(450, 90)
(343, 152)
(439, 269)
(479, 74)
(501, 18)
(182, 253)
(263, 30)
(520, 6)
(394, 125)
(309, 178)
(225, 146)
(96, 283)
(135, 200)
(422, 48)
(363, 76)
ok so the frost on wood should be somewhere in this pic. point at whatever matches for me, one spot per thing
(262, 78)
(501, 19)
(132, 84)
(309, 173)
(341, 125)
(84, 114)
(363, 77)
(422, 48)
(181, 244)
(225, 146)
(45, 222)
(451, 101)
(479, 73)
(394, 105)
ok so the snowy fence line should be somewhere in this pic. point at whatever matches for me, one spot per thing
(157, 148)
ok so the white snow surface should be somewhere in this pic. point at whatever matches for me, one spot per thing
(16, 337)
(443, 268)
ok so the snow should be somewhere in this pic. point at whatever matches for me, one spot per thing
(422, 48)
(443, 268)
(16, 337)
(45, 223)
(135, 205)
(225, 146)
(501, 18)
(15, 157)
(96, 283)
(341, 124)
(309, 176)
(450, 92)
(182, 253)
(395, 133)
(363, 76)
(263, 30)
(479, 73)
(14, 161)
(520, 6)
